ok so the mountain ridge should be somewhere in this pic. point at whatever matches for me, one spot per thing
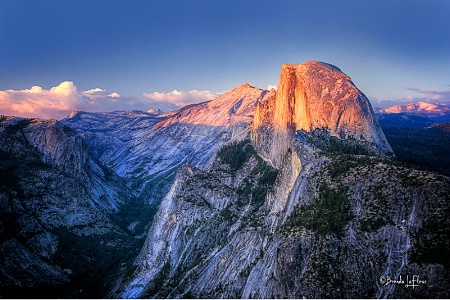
(148, 149)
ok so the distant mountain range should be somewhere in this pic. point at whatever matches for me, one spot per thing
(414, 115)
(418, 108)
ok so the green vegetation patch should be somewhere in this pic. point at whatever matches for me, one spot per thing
(327, 214)
(254, 192)
(426, 148)
(236, 154)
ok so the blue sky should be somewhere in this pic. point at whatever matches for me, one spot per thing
(393, 50)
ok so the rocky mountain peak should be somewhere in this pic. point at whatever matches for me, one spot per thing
(316, 95)
(244, 86)
(73, 114)
(240, 228)
(236, 106)
(154, 111)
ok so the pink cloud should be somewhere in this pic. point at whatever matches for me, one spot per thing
(37, 102)
(60, 100)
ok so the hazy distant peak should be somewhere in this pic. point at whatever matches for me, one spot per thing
(154, 111)
(244, 86)
(72, 114)
(417, 107)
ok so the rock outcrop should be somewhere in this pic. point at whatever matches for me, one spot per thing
(154, 111)
(311, 96)
(348, 221)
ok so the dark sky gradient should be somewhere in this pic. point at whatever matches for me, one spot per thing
(134, 47)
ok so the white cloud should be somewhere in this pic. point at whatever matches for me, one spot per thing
(93, 94)
(35, 89)
(66, 88)
(114, 95)
(270, 86)
(177, 99)
(93, 91)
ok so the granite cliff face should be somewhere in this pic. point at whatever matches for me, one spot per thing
(305, 203)
(348, 220)
(312, 96)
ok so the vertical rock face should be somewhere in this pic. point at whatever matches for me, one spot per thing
(59, 145)
(310, 96)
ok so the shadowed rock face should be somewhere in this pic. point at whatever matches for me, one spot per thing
(315, 95)
(56, 212)
(59, 146)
